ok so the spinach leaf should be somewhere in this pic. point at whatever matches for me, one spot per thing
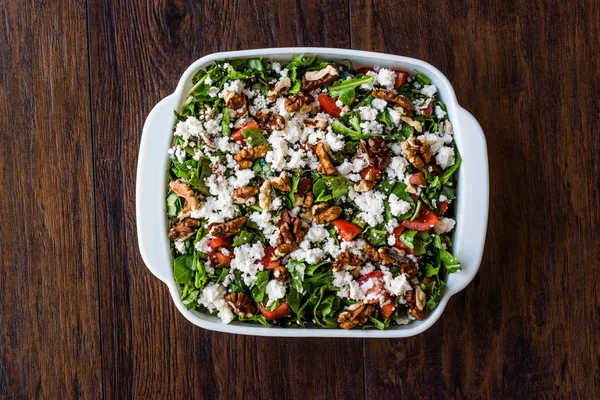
(183, 268)
(416, 241)
(330, 187)
(200, 277)
(436, 295)
(296, 269)
(346, 89)
(338, 127)
(257, 318)
(422, 79)
(260, 285)
(254, 137)
(407, 130)
(385, 118)
(189, 297)
(377, 323)
(246, 236)
(451, 263)
(377, 237)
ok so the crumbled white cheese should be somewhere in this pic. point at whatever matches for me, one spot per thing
(445, 225)
(433, 140)
(445, 157)
(371, 204)
(246, 260)
(439, 112)
(213, 298)
(369, 86)
(429, 90)
(236, 86)
(398, 206)
(371, 127)
(265, 222)
(275, 290)
(379, 104)
(367, 113)
(397, 168)
(387, 78)
(180, 246)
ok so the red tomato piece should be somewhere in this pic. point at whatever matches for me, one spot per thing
(364, 70)
(371, 275)
(397, 232)
(346, 229)
(387, 309)
(425, 221)
(401, 78)
(268, 261)
(377, 289)
(216, 257)
(217, 242)
(237, 133)
(443, 207)
(283, 310)
(328, 105)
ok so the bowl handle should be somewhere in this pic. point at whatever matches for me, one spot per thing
(473, 198)
(151, 189)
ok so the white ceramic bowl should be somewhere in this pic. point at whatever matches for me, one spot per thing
(472, 207)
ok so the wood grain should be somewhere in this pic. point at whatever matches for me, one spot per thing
(49, 328)
(528, 326)
(138, 54)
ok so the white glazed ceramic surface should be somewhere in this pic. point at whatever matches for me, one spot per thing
(472, 207)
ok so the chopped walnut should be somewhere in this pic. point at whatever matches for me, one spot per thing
(398, 99)
(241, 195)
(354, 315)
(418, 179)
(427, 108)
(435, 170)
(299, 102)
(226, 229)
(235, 101)
(415, 124)
(347, 261)
(410, 269)
(291, 228)
(411, 303)
(282, 86)
(371, 252)
(246, 157)
(325, 214)
(264, 196)
(285, 248)
(393, 256)
(280, 273)
(270, 120)
(417, 152)
(282, 182)
(376, 151)
(312, 80)
(182, 189)
(325, 167)
(318, 122)
(369, 181)
(241, 304)
(183, 229)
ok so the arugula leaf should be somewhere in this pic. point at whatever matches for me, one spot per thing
(377, 323)
(386, 118)
(416, 241)
(257, 318)
(254, 137)
(450, 171)
(225, 129)
(430, 270)
(260, 285)
(338, 127)
(422, 79)
(245, 236)
(330, 187)
(451, 263)
(377, 237)
(189, 297)
(346, 89)
(436, 295)
(200, 277)
(407, 130)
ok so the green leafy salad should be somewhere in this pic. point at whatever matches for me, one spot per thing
(312, 194)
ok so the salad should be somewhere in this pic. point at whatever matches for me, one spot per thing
(311, 193)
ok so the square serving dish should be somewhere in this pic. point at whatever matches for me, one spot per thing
(472, 196)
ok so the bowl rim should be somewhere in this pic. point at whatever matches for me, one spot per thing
(469, 239)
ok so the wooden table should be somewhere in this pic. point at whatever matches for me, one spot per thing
(80, 315)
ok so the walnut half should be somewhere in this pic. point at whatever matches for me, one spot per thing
(347, 261)
(183, 229)
(326, 166)
(241, 303)
(182, 189)
(355, 314)
(298, 102)
(226, 229)
(312, 80)
(246, 157)
(417, 152)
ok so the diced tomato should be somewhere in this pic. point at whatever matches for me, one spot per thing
(397, 232)
(374, 171)
(364, 70)
(268, 261)
(237, 134)
(401, 78)
(346, 229)
(371, 275)
(217, 242)
(216, 257)
(443, 207)
(425, 221)
(328, 105)
(283, 310)
(304, 185)
(387, 309)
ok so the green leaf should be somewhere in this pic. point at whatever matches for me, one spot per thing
(296, 269)
(407, 130)
(225, 129)
(436, 296)
(422, 79)
(183, 269)
(377, 323)
(173, 205)
(259, 286)
(190, 298)
(450, 171)
(385, 118)
(416, 241)
(430, 270)
(346, 89)
(377, 237)
(200, 276)
(254, 137)
(330, 187)
(338, 127)
(257, 318)
(246, 236)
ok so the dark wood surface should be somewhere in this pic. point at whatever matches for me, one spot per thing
(81, 316)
